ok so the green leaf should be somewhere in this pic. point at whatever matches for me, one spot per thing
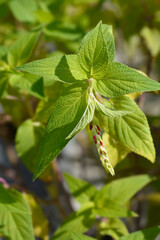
(109, 40)
(3, 83)
(147, 234)
(79, 222)
(151, 37)
(123, 189)
(63, 31)
(28, 139)
(22, 49)
(108, 111)
(23, 10)
(59, 68)
(120, 80)
(113, 227)
(115, 150)
(78, 236)
(93, 54)
(131, 130)
(81, 190)
(3, 51)
(15, 216)
(31, 84)
(45, 108)
(110, 209)
(66, 115)
(40, 222)
(86, 118)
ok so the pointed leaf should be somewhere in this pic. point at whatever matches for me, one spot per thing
(66, 114)
(115, 150)
(86, 118)
(109, 40)
(111, 209)
(22, 49)
(81, 190)
(124, 189)
(93, 54)
(77, 221)
(15, 216)
(109, 112)
(113, 227)
(32, 84)
(147, 234)
(79, 236)
(131, 130)
(23, 10)
(60, 68)
(120, 80)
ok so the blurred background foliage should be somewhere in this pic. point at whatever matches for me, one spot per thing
(36, 29)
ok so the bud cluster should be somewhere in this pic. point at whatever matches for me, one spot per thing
(96, 133)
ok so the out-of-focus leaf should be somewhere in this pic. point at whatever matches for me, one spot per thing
(15, 216)
(113, 227)
(110, 208)
(63, 31)
(79, 222)
(123, 189)
(78, 236)
(23, 10)
(3, 83)
(151, 37)
(28, 140)
(40, 222)
(44, 108)
(31, 84)
(81, 190)
(147, 234)
(22, 48)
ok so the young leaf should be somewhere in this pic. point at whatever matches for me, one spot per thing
(22, 49)
(93, 54)
(147, 234)
(109, 112)
(108, 40)
(113, 227)
(79, 236)
(86, 118)
(77, 221)
(123, 189)
(111, 209)
(15, 216)
(120, 80)
(67, 113)
(60, 68)
(131, 130)
(81, 190)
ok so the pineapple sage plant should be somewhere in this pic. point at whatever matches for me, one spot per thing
(99, 94)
